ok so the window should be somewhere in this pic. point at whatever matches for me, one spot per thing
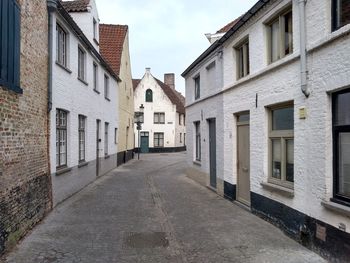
(61, 138)
(95, 28)
(106, 138)
(340, 13)
(61, 46)
(81, 64)
(115, 135)
(158, 139)
(149, 95)
(106, 85)
(82, 139)
(198, 140)
(242, 53)
(280, 36)
(197, 87)
(180, 123)
(185, 139)
(180, 137)
(95, 76)
(10, 35)
(159, 118)
(281, 141)
(341, 145)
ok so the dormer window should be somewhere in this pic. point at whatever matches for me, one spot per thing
(149, 95)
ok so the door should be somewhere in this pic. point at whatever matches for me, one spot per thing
(243, 159)
(144, 145)
(98, 140)
(212, 152)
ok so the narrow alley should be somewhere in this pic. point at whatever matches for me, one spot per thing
(149, 211)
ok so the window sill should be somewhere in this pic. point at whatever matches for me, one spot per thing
(82, 164)
(198, 163)
(11, 87)
(96, 42)
(107, 99)
(83, 81)
(107, 156)
(278, 189)
(61, 171)
(63, 67)
(97, 91)
(335, 207)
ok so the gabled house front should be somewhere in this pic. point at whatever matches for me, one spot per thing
(163, 129)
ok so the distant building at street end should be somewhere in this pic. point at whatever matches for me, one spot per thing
(164, 128)
(114, 47)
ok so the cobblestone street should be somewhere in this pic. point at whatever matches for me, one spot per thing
(149, 211)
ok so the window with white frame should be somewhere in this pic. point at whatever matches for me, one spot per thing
(61, 46)
(82, 137)
(81, 63)
(197, 87)
(94, 22)
(95, 76)
(280, 32)
(242, 61)
(281, 145)
(198, 153)
(106, 85)
(341, 146)
(61, 138)
(159, 118)
(180, 137)
(158, 139)
(106, 138)
(340, 13)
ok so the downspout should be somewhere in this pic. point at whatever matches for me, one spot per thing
(51, 7)
(303, 58)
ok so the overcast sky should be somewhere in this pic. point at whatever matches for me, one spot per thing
(168, 35)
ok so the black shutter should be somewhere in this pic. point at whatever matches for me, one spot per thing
(10, 45)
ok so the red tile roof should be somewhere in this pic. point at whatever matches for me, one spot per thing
(228, 26)
(76, 5)
(112, 39)
(174, 96)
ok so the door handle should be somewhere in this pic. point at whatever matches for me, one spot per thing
(245, 169)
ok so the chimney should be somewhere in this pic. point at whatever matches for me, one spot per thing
(148, 70)
(169, 79)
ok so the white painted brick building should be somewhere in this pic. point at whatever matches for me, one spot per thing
(164, 128)
(311, 200)
(85, 95)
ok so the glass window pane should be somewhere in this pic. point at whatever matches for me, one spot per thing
(276, 158)
(344, 164)
(288, 33)
(342, 111)
(243, 117)
(344, 12)
(290, 160)
(283, 119)
(275, 28)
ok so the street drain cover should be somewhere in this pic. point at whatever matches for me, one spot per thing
(146, 240)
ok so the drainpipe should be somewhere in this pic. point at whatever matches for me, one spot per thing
(303, 59)
(51, 7)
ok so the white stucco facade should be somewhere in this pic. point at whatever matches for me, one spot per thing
(161, 103)
(328, 56)
(77, 97)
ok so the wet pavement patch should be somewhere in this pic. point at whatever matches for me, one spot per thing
(146, 240)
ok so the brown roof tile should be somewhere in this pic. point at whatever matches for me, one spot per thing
(76, 5)
(228, 26)
(174, 96)
(112, 39)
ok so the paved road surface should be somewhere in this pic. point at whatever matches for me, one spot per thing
(149, 211)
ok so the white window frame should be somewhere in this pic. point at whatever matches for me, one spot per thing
(283, 136)
(61, 45)
(242, 58)
(81, 64)
(82, 138)
(95, 76)
(159, 137)
(106, 86)
(197, 87)
(61, 138)
(197, 139)
(158, 116)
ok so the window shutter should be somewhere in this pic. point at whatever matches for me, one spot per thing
(10, 45)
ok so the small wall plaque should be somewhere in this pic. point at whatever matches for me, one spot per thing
(321, 232)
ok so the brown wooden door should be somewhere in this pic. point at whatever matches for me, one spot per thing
(243, 163)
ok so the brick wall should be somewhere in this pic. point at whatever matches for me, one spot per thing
(25, 191)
